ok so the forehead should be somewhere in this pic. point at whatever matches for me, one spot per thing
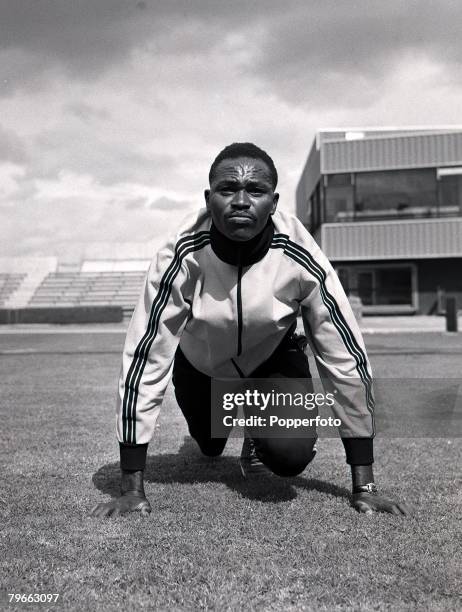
(242, 168)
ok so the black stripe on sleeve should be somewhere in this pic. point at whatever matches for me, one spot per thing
(305, 259)
(183, 247)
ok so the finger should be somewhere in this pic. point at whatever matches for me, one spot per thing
(98, 510)
(101, 511)
(109, 511)
(143, 506)
(364, 508)
(116, 512)
(404, 509)
(395, 510)
(145, 510)
(93, 510)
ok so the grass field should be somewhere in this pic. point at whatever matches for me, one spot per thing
(213, 541)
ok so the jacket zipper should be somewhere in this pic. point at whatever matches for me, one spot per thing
(239, 310)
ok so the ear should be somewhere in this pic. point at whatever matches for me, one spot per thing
(275, 203)
(206, 197)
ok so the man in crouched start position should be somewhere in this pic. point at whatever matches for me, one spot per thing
(221, 299)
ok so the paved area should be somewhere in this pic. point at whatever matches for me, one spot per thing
(387, 325)
(369, 325)
(40, 328)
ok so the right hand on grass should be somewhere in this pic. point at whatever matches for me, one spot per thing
(128, 502)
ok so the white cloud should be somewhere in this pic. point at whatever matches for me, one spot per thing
(10, 177)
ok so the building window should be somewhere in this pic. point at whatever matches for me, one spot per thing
(386, 286)
(339, 198)
(386, 195)
(450, 193)
(398, 193)
(316, 205)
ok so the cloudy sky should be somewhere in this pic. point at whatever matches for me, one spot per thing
(112, 110)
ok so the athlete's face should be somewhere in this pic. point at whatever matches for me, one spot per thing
(241, 197)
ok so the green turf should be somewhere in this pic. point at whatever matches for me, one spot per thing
(213, 541)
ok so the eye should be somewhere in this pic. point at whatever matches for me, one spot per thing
(225, 189)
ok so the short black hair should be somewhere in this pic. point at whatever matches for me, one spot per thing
(244, 149)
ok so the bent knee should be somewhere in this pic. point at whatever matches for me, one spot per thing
(288, 469)
(287, 460)
(211, 448)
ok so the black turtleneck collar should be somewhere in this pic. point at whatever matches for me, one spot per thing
(243, 253)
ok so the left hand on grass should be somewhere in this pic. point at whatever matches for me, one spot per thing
(128, 502)
(368, 503)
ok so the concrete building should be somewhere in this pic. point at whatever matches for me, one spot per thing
(385, 205)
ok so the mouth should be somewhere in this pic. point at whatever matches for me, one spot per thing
(241, 216)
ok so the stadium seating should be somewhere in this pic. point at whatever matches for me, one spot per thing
(20, 277)
(9, 283)
(90, 289)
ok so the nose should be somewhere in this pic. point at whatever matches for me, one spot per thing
(241, 199)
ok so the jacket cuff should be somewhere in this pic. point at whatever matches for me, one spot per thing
(133, 456)
(359, 451)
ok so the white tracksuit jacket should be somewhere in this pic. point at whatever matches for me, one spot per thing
(230, 318)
